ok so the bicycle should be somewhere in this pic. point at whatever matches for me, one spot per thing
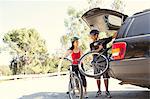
(94, 60)
(75, 83)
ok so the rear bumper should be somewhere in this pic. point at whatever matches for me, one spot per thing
(132, 71)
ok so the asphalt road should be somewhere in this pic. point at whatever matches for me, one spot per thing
(56, 88)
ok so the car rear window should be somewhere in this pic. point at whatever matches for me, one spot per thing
(123, 28)
(140, 26)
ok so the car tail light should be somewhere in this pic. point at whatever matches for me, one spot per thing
(118, 50)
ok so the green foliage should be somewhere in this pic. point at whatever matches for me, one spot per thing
(4, 70)
(0, 49)
(75, 27)
(54, 61)
(64, 40)
(94, 3)
(27, 43)
(25, 40)
(118, 5)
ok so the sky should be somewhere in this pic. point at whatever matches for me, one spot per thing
(47, 17)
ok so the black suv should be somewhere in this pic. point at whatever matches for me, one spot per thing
(132, 61)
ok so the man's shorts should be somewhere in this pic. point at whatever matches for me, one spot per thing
(105, 75)
(98, 70)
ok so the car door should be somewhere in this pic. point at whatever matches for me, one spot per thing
(138, 37)
(104, 20)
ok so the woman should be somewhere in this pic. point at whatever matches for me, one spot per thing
(76, 53)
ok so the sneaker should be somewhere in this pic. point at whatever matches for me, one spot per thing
(67, 92)
(108, 94)
(98, 93)
(85, 95)
(77, 95)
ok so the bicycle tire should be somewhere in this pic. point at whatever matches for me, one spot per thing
(90, 54)
(74, 79)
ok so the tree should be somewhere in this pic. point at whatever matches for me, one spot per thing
(118, 5)
(64, 41)
(0, 49)
(74, 27)
(3, 47)
(27, 46)
(94, 3)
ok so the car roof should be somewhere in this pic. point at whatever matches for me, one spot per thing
(147, 11)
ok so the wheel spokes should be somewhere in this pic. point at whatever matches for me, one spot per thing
(76, 86)
(93, 61)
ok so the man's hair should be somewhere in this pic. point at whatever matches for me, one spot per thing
(94, 32)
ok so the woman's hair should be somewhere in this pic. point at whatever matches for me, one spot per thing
(72, 42)
(72, 46)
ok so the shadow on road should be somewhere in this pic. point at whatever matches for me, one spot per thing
(115, 95)
(46, 95)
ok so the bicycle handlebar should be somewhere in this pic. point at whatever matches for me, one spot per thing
(66, 59)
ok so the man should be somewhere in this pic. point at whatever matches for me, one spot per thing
(94, 36)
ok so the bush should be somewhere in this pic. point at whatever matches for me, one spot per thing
(5, 70)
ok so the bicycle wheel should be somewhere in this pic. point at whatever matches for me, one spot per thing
(75, 87)
(95, 64)
(64, 65)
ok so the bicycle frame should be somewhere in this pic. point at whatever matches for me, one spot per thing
(73, 76)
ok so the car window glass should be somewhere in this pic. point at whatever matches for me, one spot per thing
(123, 28)
(113, 20)
(140, 26)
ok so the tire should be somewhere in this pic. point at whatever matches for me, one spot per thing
(93, 67)
(74, 84)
